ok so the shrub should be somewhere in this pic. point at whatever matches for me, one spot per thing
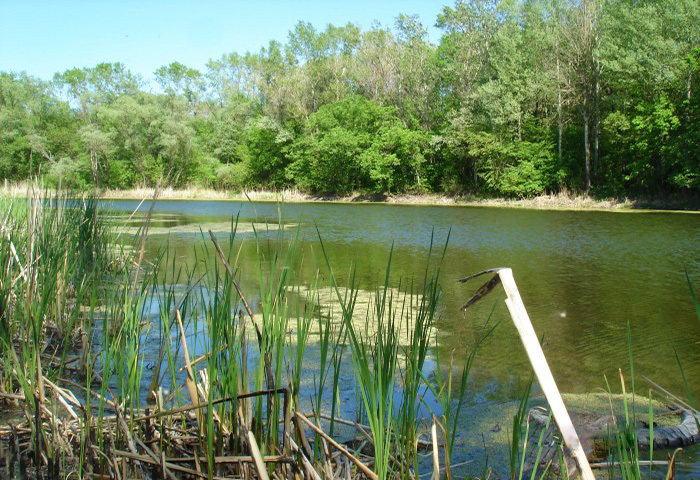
(234, 176)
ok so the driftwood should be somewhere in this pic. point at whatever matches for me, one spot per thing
(667, 437)
(597, 432)
(681, 435)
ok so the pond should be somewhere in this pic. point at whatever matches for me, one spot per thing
(584, 276)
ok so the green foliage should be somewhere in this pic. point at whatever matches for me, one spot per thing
(226, 135)
(326, 164)
(509, 168)
(68, 173)
(118, 174)
(178, 79)
(233, 176)
(653, 126)
(530, 170)
(516, 99)
(683, 152)
(355, 144)
(266, 144)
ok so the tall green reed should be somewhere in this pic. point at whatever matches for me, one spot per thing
(518, 435)
(53, 250)
(278, 269)
(443, 384)
(419, 328)
(374, 361)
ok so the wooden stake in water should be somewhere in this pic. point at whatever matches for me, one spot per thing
(538, 361)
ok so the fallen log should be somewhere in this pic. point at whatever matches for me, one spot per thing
(681, 435)
(596, 432)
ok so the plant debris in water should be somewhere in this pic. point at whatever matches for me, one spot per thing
(234, 391)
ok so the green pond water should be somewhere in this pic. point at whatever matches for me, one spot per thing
(583, 277)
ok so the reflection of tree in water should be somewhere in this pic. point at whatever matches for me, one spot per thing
(582, 276)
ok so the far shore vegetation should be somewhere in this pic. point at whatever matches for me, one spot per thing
(563, 200)
(555, 201)
(520, 100)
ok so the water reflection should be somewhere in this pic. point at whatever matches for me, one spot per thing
(583, 276)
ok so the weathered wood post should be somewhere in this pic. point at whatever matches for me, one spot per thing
(537, 359)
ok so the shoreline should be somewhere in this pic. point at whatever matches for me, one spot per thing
(555, 202)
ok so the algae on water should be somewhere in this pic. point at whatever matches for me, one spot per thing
(196, 228)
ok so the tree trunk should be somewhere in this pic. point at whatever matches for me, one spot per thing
(596, 129)
(560, 120)
(560, 128)
(587, 144)
(93, 161)
(585, 108)
(690, 85)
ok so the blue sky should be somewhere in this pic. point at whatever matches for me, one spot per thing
(45, 37)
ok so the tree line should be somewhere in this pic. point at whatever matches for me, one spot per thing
(518, 98)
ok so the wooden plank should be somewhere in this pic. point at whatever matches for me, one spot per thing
(544, 375)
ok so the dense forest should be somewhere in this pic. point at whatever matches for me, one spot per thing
(518, 98)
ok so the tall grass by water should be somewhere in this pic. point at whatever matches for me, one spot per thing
(123, 366)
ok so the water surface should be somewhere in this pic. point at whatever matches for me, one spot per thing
(583, 276)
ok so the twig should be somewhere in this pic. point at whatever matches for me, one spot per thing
(166, 471)
(641, 463)
(304, 461)
(681, 403)
(186, 408)
(456, 465)
(194, 396)
(171, 466)
(338, 446)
